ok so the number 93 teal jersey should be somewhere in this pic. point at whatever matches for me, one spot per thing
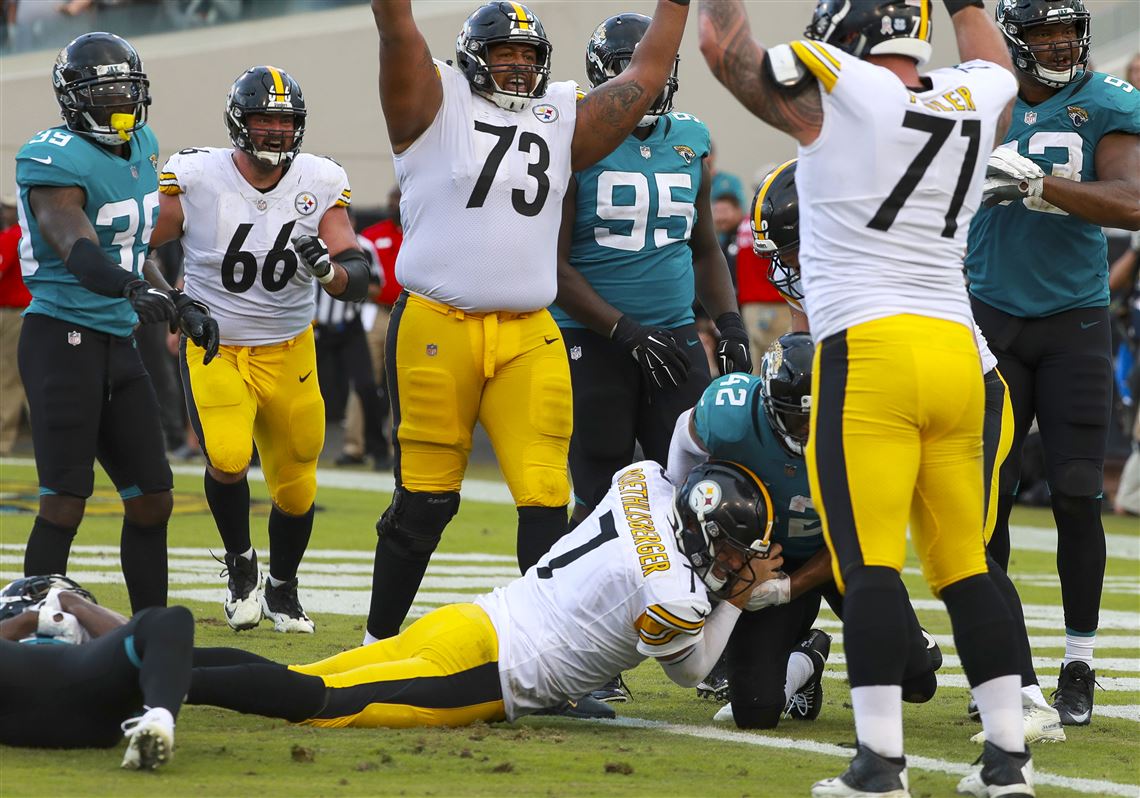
(731, 424)
(635, 214)
(122, 204)
(1030, 258)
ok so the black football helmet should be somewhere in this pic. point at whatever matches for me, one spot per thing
(102, 90)
(24, 593)
(1015, 18)
(723, 505)
(265, 90)
(499, 23)
(775, 220)
(609, 51)
(874, 27)
(785, 372)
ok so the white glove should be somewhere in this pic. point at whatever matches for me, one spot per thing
(1004, 162)
(770, 593)
(1010, 176)
(62, 626)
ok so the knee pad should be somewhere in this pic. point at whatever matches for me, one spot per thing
(1076, 478)
(752, 715)
(919, 689)
(414, 522)
(296, 491)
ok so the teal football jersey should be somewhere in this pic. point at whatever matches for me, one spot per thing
(1030, 258)
(730, 421)
(635, 213)
(122, 204)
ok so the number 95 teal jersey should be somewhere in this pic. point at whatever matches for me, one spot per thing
(635, 214)
(122, 204)
(1030, 258)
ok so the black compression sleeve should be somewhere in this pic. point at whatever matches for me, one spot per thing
(355, 264)
(95, 271)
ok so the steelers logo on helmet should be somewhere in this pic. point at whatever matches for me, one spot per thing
(704, 497)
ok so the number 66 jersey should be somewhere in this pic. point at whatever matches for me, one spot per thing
(239, 259)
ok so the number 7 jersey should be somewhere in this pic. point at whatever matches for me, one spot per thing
(239, 259)
(890, 186)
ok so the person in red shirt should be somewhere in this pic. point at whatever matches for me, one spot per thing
(386, 236)
(762, 308)
(14, 297)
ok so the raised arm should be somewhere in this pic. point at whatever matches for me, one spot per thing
(979, 39)
(737, 61)
(410, 89)
(610, 112)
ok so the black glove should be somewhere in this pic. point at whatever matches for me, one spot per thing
(655, 350)
(152, 304)
(314, 256)
(732, 353)
(196, 323)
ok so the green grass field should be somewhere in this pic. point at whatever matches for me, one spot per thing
(664, 742)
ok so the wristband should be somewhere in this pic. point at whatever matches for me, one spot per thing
(954, 6)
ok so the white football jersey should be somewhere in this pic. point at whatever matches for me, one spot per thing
(891, 184)
(481, 199)
(239, 258)
(607, 595)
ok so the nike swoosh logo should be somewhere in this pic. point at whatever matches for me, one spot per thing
(549, 340)
(302, 379)
(1086, 324)
(1080, 718)
(46, 160)
(691, 343)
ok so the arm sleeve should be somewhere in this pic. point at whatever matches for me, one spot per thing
(685, 453)
(697, 660)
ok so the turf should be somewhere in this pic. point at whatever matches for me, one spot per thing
(222, 754)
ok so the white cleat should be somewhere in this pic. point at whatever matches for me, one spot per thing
(243, 592)
(150, 740)
(1042, 725)
(724, 714)
(282, 606)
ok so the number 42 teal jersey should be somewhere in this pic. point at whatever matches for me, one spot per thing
(122, 204)
(1030, 258)
(635, 214)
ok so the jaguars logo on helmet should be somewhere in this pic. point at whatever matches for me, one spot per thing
(867, 27)
(610, 50)
(723, 504)
(775, 219)
(101, 88)
(499, 23)
(785, 389)
(265, 90)
(1016, 18)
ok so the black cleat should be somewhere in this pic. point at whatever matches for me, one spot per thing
(1073, 698)
(1001, 774)
(807, 702)
(715, 685)
(586, 707)
(613, 692)
(282, 606)
(868, 775)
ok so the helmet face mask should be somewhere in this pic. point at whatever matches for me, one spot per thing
(610, 50)
(24, 593)
(259, 94)
(503, 23)
(725, 519)
(874, 27)
(1051, 60)
(102, 90)
(785, 373)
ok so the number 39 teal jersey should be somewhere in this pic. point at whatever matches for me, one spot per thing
(122, 204)
(635, 214)
(1030, 258)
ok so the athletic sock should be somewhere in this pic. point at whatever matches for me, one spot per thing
(539, 529)
(229, 504)
(800, 671)
(1032, 693)
(49, 546)
(999, 702)
(878, 718)
(142, 552)
(288, 539)
(163, 643)
(1079, 647)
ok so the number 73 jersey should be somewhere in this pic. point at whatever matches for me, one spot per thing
(890, 185)
(239, 259)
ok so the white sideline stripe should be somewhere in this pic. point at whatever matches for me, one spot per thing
(1087, 786)
(1123, 711)
(1125, 684)
(1043, 664)
(317, 554)
(1104, 640)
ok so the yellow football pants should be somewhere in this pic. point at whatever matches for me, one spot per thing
(448, 369)
(442, 670)
(896, 436)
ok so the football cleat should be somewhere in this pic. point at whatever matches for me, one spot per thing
(243, 591)
(150, 740)
(1073, 698)
(282, 606)
(613, 692)
(808, 700)
(715, 685)
(587, 707)
(724, 714)
(1000, 774)
(1042, 724)
(868, 776)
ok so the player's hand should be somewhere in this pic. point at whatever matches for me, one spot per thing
(770, 593)
(150, 303)
(196, 323)
(1010, 176)
(655, 350)
(314, 257)
(732, 353)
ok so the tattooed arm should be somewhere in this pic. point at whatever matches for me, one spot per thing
(737, 61)
(610, 112)
(410, 89)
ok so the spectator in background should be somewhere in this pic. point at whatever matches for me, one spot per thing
(14, 297)
(385, 238)
(724, 183)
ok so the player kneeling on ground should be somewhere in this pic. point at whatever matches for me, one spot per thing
(616, 590)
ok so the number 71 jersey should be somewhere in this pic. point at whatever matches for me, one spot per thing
(239, 259)
(890, 185)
